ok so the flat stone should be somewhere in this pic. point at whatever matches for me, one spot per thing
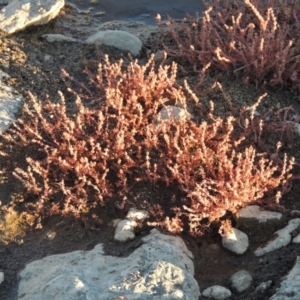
(161, 268)
(19, 14)
(254, 211)
(119, 39)
(52, 38)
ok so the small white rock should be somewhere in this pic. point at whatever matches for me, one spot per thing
(236, 241)
(125, 230)
(51, 38)
(263, 286)
(296, 239)
(283, 239)
(137, 215)
(216, 292)
(1, 277)
(48, 58)
(254, 211)
(241, 280)
(297, 128)
(117, 38)
(172, 112)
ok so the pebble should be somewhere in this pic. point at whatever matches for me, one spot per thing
(236, 241)
(241, 280)
(216, 292)
(137, 215)
(1, 277)
(262, 288)
(125, 230)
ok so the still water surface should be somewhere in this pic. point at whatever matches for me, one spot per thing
(140, 10)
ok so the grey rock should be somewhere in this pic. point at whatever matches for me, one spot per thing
(1, 277)
(52, 38)
(241, 281)
(254, 211)
(10, 103)
(263, 287)
(236, 241)
(258, 223)
(119, 39)
(216, 292)
(159, 269)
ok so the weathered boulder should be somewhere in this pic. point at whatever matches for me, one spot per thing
(159, 269)
(20, 14)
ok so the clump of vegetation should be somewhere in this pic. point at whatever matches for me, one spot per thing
(78, 157)
(258, 39)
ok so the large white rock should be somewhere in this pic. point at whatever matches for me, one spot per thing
(119, 39)
(10, 103)
(283, 238)
(290, 286)
(236, 241)
(241, 281)
(159, 269)
(216, 292)
(20, 14)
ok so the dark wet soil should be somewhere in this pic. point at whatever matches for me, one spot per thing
(22, 56)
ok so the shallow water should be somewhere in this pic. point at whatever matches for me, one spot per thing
(140, 10)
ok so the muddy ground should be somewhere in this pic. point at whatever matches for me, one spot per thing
(22, 56)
